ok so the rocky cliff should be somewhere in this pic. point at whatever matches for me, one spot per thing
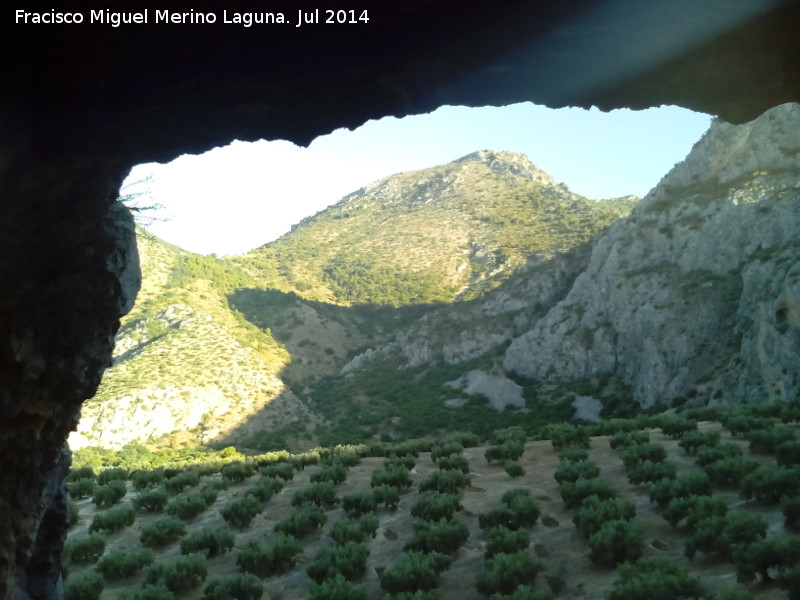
(696, 294)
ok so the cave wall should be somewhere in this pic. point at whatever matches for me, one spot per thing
(81, 104)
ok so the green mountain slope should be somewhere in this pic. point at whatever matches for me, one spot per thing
(444, 233)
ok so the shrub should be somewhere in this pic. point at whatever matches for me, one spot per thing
(162, 532)
(73, 514)
(406, 461)
(647, 472)
(387, 495)
(337, 588)
(393, 475)
(414, 571)
(572, 471)
(563, 435)
(523, 505)
(304, 520)
(771, 483)
(446, 482)
(573, 455)
(594, 512)
(284, 470)
(153, 500)
(210, 491)
(574, 493)
(616, 542)
(791, 511)
(113, 520)
(503, 540)
(446, 449)
(445, 536)
(654, 578)
(238, 471)
(150, 592)
(787, 454)
(182, 480)
(265, 488)
(692, 441)
(730, 471)
(721, 534)
(359, 503)
(145, 479)
(768, 440)
(508, 450)
(321, 493)
(624, 439)
(264, 561)
(525, 592)
(348, 560)
(239, 512)
(694, 509)
(779, 553)
(503, 573)
(334, 473)
(513, 468)
(707, 455)
(674, 427)
(633, 455)
(119, 564)
(690, 484)
(81, 488)
(454, 462)
(465, 438)
(109, 475)
(180, 575)
(240, 586)
(434, 505)
(87, 586)
(354, 530)
(212, 542)
(187, 507)
(84, 550)
(109, 494)
(86, 472)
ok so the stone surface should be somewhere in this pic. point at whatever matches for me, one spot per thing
(81, 104)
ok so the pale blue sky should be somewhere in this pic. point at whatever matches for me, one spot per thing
(232, 199)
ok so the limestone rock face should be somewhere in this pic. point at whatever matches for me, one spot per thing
(696, 293)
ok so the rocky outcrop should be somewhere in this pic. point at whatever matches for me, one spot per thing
(696, 293)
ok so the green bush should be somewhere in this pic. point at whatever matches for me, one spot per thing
(304, 520)
(777, 555)
(568, 455)
(616, 542)
(445, 536)
(454, 462)
(791, 512)
(278, 557)
(212, 542)
(565, 435)
(84, 550)
(633, 455)
(387, 495)
(354, 530)
(694, 509)
(692, 441)
(337, 588)
(771, 483)
(433, 505)
(624, 439)
(150, 592)
(210, 491)
(574, 493)
(648, 472)
(445, 449)
(109, 475)
(674, 426)
(180, 575)
(655, 578)
(787, 454)
(525, 592)
(348, 560)
(768, 440)
(145, 479)
(730, 471)
(240, 586)
(507, 541)
(265, 488)
(182, 480)
(359, 503)
(85, 472)
(414, 571)
(119, 564)
(513, 469)
(240, 512)
(523, 505)
(573, 470)
(446, 482)
(335, 473)
(722, 534)
(238, 471)
(162, 532)
(187, 507)
(81, 488)
(504, 573)
(707, 455)
(689, 484)
(283, 470)
(152, 500)
(594, 512)
(109, 494)
(86, 586)
(321, 493)
(113, 520)
(73, 514)
(508, 450)
(397, 476)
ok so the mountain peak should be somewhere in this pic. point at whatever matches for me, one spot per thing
(511, 163)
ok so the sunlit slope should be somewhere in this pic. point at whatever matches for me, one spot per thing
(435, 235)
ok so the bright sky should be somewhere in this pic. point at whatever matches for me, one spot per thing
(236, 198)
